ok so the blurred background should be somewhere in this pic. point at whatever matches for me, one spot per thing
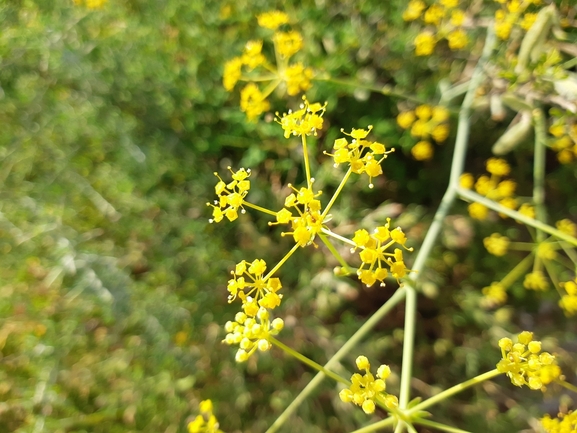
(112, 281)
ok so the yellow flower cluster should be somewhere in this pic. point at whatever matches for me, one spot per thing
(444, 20)
(230, 196)
(362, 156)
(251, 333)
(425, 122)
(365, 390)
(568, 302)
(257, 288)
(253, 67)
(512, 13)
(564, 142)
(494, 295)
(525, 363)
(494, 188)
(91, 4)
(205, 422)
(372, 252)
(565, 423)
(496, 244)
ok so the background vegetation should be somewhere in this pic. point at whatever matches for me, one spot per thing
(112, 282)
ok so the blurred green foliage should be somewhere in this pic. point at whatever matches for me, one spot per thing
(112, 289)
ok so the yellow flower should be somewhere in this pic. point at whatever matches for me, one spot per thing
(230, 196)
(365, 389)
(252, 55)
(95, 4)
(494, 295)
(406, 119)
(206, 422)
(305, 121)
(434, 15)
(466, 180)
(422, 151)
(528, 20)
(565, 423)
(535, 281)
(440, 133)
(424, 112)
(457, 39)
(449, 4)
(567, 226)
(252, 101)
(440, 114)
(457, 17)
(414, 10)
(503, 29)
(498, 167)
(232, 73)
(288, 43)
(298, 78)
(272, 20)
(496, 244)
(568, 302)
(478, 211)
(424, 43)
(250, 281)
(524, 362)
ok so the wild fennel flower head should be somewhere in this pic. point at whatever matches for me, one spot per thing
(272, 20)
(536, 281)
(251, 333)
(365, 389)
(249, 281)
(494, 295)
(525, 363)
(230, 195)
(252, 101)
(374, 256)
(564, 423)
(496, 244)
(288, 43)
(305, 121)
(568, 302)
(206, 422)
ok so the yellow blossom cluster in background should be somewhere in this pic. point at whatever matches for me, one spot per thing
(544, 261)
(495, 188)
(564, 423)
(91, 4)
(514, 13)
(444, 20)
(564, 141)
(262, 76)
(425, 123)
(205, 422)
(525, 363)
(365, 390)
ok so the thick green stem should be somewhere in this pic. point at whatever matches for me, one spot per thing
(457, 165)
(439, 426)
(259, 208)
(397, 297)
(309, 362)
(539, 170)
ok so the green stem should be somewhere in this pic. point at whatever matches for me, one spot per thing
(521, 268)
(282, 262)
(539, 169)
(335, 253)
(567, 385)
(384, 90)
(307, 162)
(453, 390)
(337, 192)
(439, 426)
(256, 207)
(457, 165)
(309, 362)
(332, 234)
(473, 196)
(397, 297)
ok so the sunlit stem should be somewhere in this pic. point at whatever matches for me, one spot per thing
(570, 253)
(439, 426)
(307, 162)
(260, 78)
(339, 237)
(397, 297)
(270, 88)
(309, 362)
(337, 192)
(260, 209)
(539, 170)
(335, 253)
(282, 262)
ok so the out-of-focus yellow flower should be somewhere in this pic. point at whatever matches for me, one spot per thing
(288, 43)
(565, 423)
(528, 20)
(434, 15)
(252, 55)
(478, 211)
(414, 10)
(272, 20)
(232, 73)
(498, 167)
(535, 281)
(425, 43)
(457, 17)
(457, 39)
(494, 295)
(496, 244)
(422, 151)
(298, 78)
(406, 119)
(466, 180)
(567, 226)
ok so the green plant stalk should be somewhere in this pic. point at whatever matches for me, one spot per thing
(384, 90)
(439, 426)
(337, 192)
(570, 253)
(282, 262)
(258, 208)
(308, 361)
(473, 196)
(397, 297)
(539, 170)
(335, 253)
(449, 197)
(520, 269)
(567, 385)
(307, 164)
